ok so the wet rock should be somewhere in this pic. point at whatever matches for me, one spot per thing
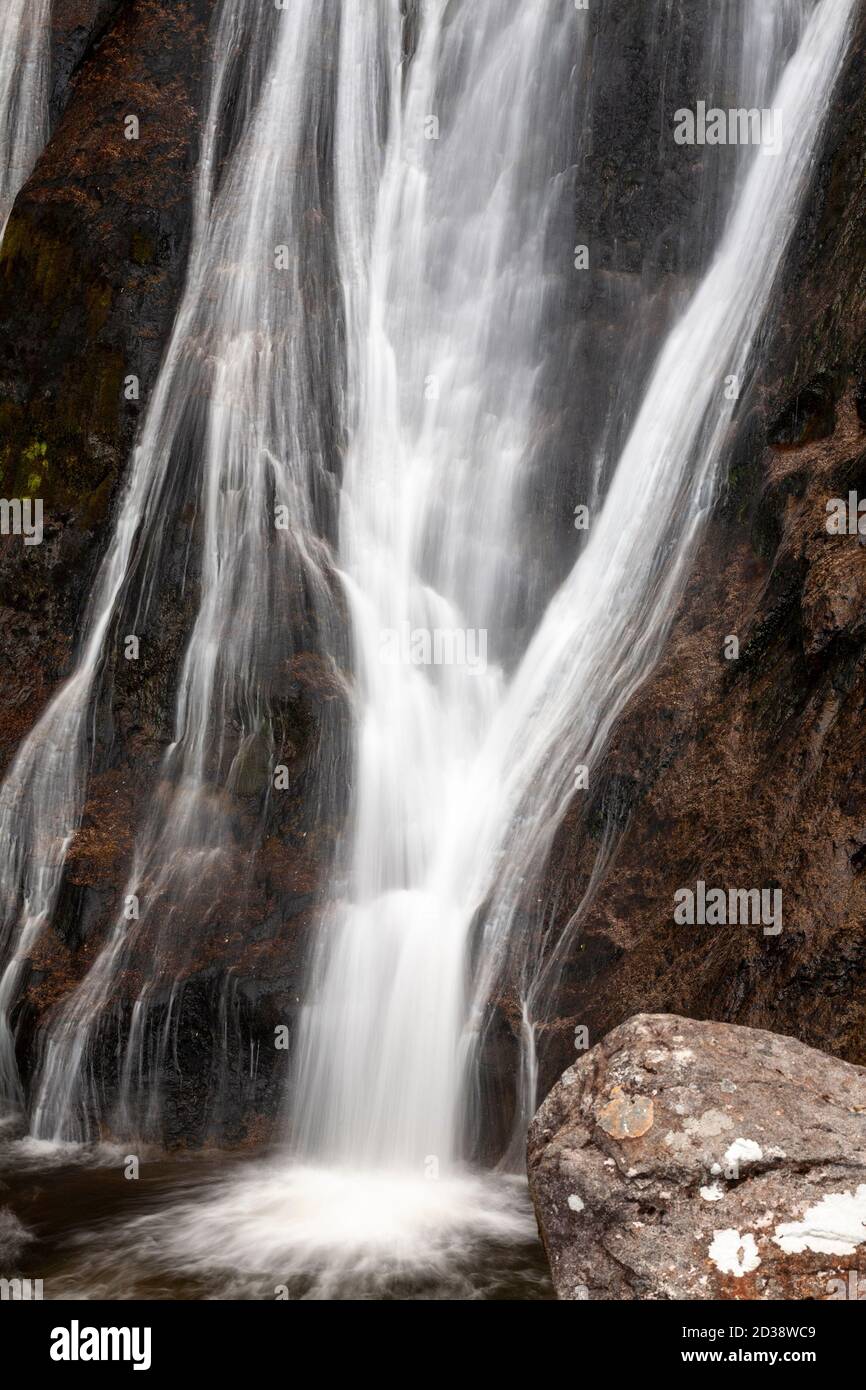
(811, 415)
(749, 772)
(76, 26)
(743, 1178)
(742, 777)
(90, 273)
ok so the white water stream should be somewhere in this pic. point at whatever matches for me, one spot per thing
(24, 63)
(24, 70)
(447, 175)
(463, 776)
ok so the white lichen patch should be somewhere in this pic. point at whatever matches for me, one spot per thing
(676, 1140)
(743, 1151)
(708, 1125)
(714, 1193)
(680, 1056)
(734, 1254)
(576, 1203)
(834, 1226)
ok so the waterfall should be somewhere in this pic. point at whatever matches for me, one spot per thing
(24, 61)
(42, 797)
(425, 161)
(463, 774)
(443, 271)
(605, 627)
(237, 390)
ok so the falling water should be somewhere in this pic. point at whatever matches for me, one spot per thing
(444, 280)
(605, 627)
(24, 58)
(430, 542)
(42, 797)
(237, 390)
(450, 172)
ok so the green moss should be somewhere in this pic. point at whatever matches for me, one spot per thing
(33, 466)
(13, 241)
(63, 444)
(35, 453)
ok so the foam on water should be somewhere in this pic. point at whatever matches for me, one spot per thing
(281, 1230)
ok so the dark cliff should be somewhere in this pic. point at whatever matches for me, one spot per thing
(749, 772)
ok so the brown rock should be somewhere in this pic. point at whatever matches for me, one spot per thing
(689, 1160)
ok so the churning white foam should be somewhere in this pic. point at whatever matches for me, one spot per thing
(280, 1231)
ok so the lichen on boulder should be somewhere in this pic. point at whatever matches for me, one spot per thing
(688, 1160)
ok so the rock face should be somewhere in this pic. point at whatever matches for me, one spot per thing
(688, 1160)
(748, 773)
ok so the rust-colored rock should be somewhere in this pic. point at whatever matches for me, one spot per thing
(626, 1117)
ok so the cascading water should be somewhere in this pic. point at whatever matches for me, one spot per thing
(450, 171)
(444, 281)
(605, 627)
(238, 388)
(24, 62)
(435, 797)
(440, 828)
(439, 825)
(42, 795)
(24, 59)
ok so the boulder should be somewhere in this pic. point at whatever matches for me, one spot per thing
(686, 1160)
